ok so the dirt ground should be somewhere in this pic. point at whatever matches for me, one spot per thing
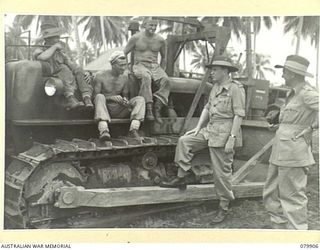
(243, 213)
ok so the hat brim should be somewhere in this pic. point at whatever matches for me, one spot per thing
(299, 72)
(53, 34)
(231, 68)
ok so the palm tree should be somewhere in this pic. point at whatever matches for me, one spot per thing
(26, 20)
(262, 63)
(236, 24)
(239, 26)
(201, 59)
(103, 33)
(307, 25)
(77, 39)
(87, 53)
(113, 29)
(13, 37)
(257, 24)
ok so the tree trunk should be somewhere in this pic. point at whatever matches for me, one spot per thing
(318, 54)
(248, 48)
(77, 40)
(103, 34)
(184, 50)
(176, 31)
(254, 66)
(299, 34)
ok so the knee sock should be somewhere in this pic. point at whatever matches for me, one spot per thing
(103, 126)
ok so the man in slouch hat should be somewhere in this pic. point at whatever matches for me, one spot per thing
(55, 62)
(285, 188)
(219, 129)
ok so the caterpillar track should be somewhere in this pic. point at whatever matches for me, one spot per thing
(35, 177)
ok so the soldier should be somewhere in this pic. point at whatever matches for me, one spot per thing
(112, 98)
(55, 62)
(284, 191)
(219, 129)
(146, 46)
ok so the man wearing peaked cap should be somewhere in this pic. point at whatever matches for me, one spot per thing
(285, 188)
(112, 98)
(219, 130)
(55, 62)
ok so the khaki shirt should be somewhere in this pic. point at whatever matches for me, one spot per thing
(225, 101)
(299, 112)
(53, 65)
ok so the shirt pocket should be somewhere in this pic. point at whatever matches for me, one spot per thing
(290, 112)
(224, 103)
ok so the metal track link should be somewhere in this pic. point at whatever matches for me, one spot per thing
(23, 165)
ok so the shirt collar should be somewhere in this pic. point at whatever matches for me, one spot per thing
(296, 89)
(226, 84)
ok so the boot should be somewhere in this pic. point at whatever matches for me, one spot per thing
(171, 113)
(134, 134)
(177, 182)
(73, 103)
(278, 225)
(105, 136)
(149, 113)
(220, 216)
(87, 102)
(157, 111)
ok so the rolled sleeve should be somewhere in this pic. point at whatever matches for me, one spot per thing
(238, 101)
(311, 99)
(208, 105)
(36, 53)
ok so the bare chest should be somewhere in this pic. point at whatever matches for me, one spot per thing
(113, 85)
(148, 44)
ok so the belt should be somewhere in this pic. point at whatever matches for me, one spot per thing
(222, 120)
(295, 126)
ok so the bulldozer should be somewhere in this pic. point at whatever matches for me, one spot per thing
(57, 170)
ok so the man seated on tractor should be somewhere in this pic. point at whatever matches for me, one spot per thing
(55, 62)
(112, 98)
(146, 45)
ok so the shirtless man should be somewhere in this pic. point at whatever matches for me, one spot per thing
(112, 98)
(146, 46)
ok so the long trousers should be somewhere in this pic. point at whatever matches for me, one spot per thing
(72, 82)
(105, 111)
(152, 77)
(221, 164)
(285, 197)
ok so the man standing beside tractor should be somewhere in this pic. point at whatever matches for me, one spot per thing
(219, 130)
(146, 45)
(55, 62)
(112, 98)
(285, 188)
